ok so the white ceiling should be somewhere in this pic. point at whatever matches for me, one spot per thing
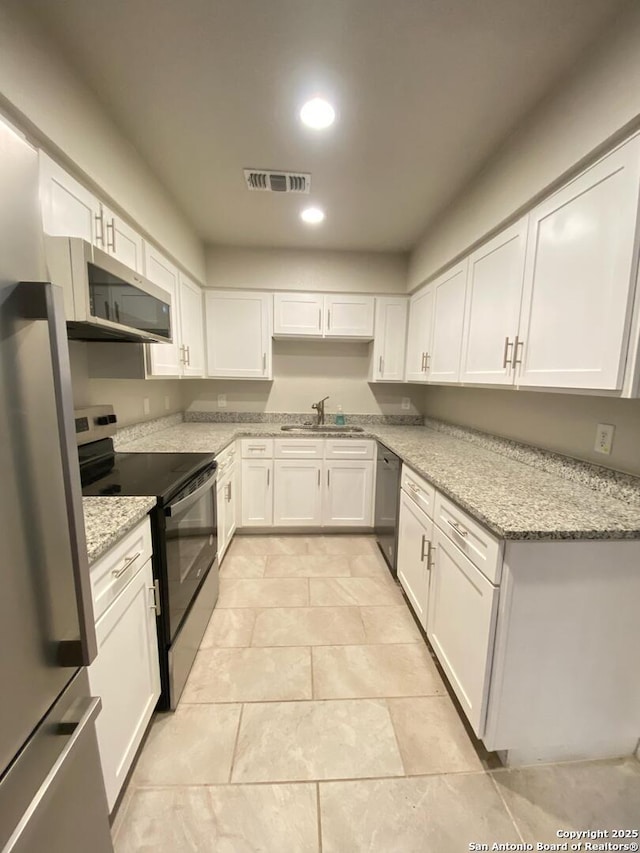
(425, 90)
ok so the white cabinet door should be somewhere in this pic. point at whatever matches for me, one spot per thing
(461, 625)
(125, 675)
(419, 335)
(119, 239)
(68, 208)
(494, 293)
(238, 334)
(164, 359)
(298, 314)
(348, 494)
(443, 362)
(415, 535)
(257, 492)
(297, 496)
(348, 316)
(191, 328)
(577, 289)
(389, 339)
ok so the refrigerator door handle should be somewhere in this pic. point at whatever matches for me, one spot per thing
(45, 301)
(76, 730)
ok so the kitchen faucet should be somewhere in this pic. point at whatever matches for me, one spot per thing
(319, 407)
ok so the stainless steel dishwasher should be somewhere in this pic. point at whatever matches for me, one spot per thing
(387, 505)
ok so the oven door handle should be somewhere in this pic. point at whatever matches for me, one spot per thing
(185, 503)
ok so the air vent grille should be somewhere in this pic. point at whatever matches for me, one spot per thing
(263, 180)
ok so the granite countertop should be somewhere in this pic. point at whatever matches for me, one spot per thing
(512, 499)
(106, 520)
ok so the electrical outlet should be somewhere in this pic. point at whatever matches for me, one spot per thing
(406, 403)
(222, 401)
(604, 438)
(167, 402)
(146, 405)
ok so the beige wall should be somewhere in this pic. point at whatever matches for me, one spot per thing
(38, 88)
(601, 97)
(305, 372)
(565, 423)
(126, 395)
(306, 269)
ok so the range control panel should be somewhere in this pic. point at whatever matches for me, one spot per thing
(94, 423)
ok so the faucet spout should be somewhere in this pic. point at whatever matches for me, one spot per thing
(319, 407)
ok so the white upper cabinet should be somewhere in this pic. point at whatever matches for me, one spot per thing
(389, 340)
(298, 314)
(164, 359)
(578, 276)
(191, 328)
(238, 334)
(330, 316)
(114, 236)
(419, 335)
(348, 316)
(68, 208)
(494, 292)
(443, 360)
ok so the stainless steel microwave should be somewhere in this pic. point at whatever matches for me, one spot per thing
(104, 299)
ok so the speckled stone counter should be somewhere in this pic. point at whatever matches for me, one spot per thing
(106, 520)
(513, 499)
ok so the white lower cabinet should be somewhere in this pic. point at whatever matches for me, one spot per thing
(125, 674)
(226, 508)
(348, 500)
(297, 496)
(257, 492)
(461, 624)
(415, 543)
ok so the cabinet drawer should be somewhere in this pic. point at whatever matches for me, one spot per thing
(483, 549)
(257, 448)
(298, 448)
(226, 459)
(348, 448)
(419, 490)
(112, 572)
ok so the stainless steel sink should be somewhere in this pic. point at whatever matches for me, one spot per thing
(320, 428)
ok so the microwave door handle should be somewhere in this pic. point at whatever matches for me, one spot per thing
(45, 301)
(181, 505)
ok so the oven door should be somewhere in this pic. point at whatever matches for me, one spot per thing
(190, 545)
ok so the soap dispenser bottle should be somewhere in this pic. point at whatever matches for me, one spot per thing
(340, 421)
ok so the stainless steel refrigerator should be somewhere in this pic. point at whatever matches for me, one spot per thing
(51, 790)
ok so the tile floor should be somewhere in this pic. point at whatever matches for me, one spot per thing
(315, 720)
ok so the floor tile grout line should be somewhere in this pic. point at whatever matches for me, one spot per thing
(319, 698)
(504, 803)
(313, 682)
(235, 745)
(319, 817)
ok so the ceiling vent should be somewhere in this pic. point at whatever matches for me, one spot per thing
(277, 182)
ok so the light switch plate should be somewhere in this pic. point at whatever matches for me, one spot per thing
(406, 403)
(604, 438)
(222, 401)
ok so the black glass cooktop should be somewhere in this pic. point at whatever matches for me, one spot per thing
(157, 474)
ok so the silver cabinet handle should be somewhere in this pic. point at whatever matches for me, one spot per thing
(188, 349)
(381, 366)
(268, 476)
(111, 245)
(458, 529)
(424, 542)
(264, 362)
(128, 561)
(517, 343)
(319, 475)
(328, 320)
(427, 361)
(505, 360)
(100, 221)
(155, 589)
(328, 476)
(422, 363)
(319, 319)
(45, 301)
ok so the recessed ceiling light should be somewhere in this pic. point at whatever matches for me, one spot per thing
(312, 215)
(317, 113)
